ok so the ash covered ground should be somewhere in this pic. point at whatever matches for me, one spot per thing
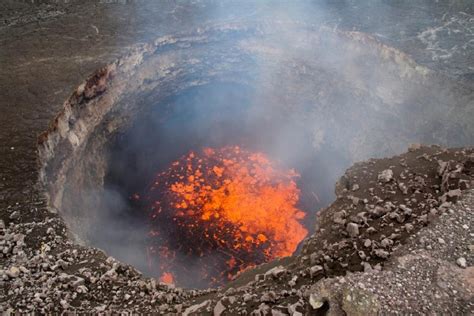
(398, 238)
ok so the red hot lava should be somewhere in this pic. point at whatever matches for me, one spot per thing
(217, 212)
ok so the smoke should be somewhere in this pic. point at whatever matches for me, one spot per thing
(214, 115)
(312, 96)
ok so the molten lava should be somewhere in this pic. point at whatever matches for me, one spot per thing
(217, 212)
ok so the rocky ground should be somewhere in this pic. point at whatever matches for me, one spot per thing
(398, 239)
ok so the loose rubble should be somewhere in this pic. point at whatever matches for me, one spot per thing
(398, 238)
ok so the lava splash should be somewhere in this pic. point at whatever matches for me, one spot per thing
(219, 211)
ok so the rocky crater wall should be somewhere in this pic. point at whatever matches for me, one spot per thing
(352, 94)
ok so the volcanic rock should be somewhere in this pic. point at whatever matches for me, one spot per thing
(352, 229)
(219, 309)
(414, 147)
(381, 253)
(461, 262)
(196, 308)
(339, 217)
(385, 176)
(386, 242)
(315, 301)
(293, 309)
(13, 272)
(276, 312)
(275, 272)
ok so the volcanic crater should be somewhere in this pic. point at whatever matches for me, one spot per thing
(153, 155)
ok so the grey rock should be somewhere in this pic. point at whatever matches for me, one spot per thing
(352, 229)
(339, 217)
(313, 258)
(276, 312)
(367, 267)
(15, 215)
(293, 280)
(314, 270)
(406, 210)
(269, 296)
(13, 272)
(77, 282)
(101, 308)
(414, 147)
(461, 262)
(385, 176)
(381, 253)
(371, 230)
(316, 301)
(454, 193)
(64, 304)
(82, 289)
(196, 308)
(293, 309)
(386, 242)
(403, 188)
(247, 297)
(275, 272)
(219, 309)
(379, 211)
(355, 200)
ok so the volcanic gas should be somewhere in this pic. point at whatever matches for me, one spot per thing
(290, 95)
(225, 209)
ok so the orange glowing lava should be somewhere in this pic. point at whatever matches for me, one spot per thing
(167, 278)
(228, 208)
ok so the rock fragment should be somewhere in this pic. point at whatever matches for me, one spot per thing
(381, 253)
(352, 229)
(339, 217)
(196, 308)
(314, 270)
(385, 176)
(316, 301)
(219, 309)
(13, 272)
(275, 272)
(461, 262)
